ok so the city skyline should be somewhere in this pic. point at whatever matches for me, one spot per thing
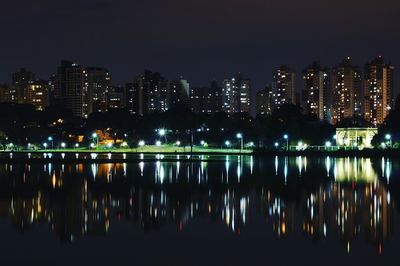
(330, 93)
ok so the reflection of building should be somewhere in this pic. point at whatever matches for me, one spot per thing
(355, 137)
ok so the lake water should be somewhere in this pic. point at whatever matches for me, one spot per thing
(229, 210)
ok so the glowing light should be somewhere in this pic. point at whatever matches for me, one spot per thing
(141, 143)
(158, 143)
(63, 145)
(162, 132)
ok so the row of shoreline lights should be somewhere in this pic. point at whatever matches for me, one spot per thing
(163, 132)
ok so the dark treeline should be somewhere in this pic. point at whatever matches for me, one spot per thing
(22, 124)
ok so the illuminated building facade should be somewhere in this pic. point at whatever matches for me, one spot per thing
(236, 95)
(355, 137)
(264, 101)
(284, 86)
(346, 87)
(316, 89)
(97, 82)
(70, 89)
(150, 93)
(20, 82)
(206, 100)
(37, 94)
(378, 90)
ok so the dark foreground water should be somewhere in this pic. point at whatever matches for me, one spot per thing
(231, 211)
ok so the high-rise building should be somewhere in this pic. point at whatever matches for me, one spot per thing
(37, 94)
(284, 86)
(70, 89)
(264, 101)
(236, 95)
(97, 82)
(378, 90)
(316, 90)
(150, 93)
(20, 82)
(346, 88)
(5, 94)
(206, 100)
(178, 93)
(116, 98)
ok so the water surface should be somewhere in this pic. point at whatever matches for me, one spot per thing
(235, 210)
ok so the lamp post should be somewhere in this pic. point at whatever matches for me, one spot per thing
(240, 136)
(51, 140)
(163, 133)
(286, 137)
(94, 136)
(388, 137)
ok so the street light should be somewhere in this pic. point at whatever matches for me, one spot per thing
(63, 145)
(158, 143)
(328, 144)
(240, 136)
(388, 137)
(94, 136)
(227, 143)
(286, 136)
(76, 145)
(141, 143)
(276, 144)
(178, 143)
(51, 140)
(45, 145)
(202, 142)
(163, 133)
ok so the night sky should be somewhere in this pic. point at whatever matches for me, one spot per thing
(200, 40)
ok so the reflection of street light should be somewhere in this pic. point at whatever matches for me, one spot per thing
(240, 136)
(286, 136)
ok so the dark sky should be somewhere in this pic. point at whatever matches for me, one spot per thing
(199, 39)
